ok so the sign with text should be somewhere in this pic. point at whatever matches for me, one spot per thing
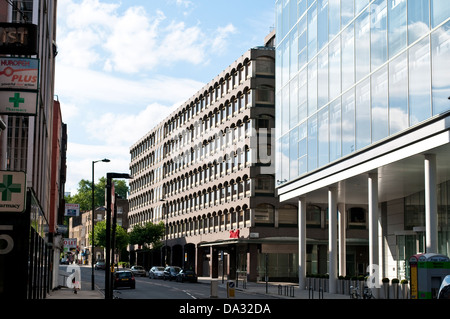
(19, 73)
(18, 102)
(70, 243)
(18, 38)
(12, 191)
(72, 210)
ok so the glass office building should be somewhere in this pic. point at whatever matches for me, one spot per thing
(362, 92)
(352, 73)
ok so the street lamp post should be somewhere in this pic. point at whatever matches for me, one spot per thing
(93, 209)
(109, 177)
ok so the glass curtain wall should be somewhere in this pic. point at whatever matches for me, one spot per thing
(351, 73)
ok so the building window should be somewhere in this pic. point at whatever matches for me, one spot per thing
(265, 215)
(264, 184)
(415, 210)
(357, 218)
(287, 216)
(22, 11)
(265, 65)
(265, 94)
(313, 216)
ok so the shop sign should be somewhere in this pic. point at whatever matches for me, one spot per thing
(72, 210)
(12, 191)
(18, 102)
(19, 73)
(18, 38)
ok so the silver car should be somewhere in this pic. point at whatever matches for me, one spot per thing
(138, 271)
(156, 272)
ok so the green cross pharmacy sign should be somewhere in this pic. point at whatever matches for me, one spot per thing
(12, 191)
(18, 102)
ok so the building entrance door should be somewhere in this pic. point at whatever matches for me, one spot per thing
(408, 245)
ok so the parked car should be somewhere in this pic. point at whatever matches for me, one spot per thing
(124, 278)
(170, 272)
(100, 265)
(138, 271)
(186, 275)
(156, 272)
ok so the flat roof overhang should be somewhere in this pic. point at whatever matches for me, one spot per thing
(278, 241)
(398, 161)
(235, 241)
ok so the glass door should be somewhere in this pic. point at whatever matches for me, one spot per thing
(408, 245)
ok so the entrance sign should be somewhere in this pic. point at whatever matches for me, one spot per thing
(12, 191)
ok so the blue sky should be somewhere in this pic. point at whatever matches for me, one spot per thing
(123, 66)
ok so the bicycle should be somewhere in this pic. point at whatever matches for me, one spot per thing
(367, 293)
(354, 292)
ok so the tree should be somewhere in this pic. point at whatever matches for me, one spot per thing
(122, 237)
(84, 194)
(147, 235)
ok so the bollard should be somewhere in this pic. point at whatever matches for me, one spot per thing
(311, 293)
(214, 289)
(230, 289)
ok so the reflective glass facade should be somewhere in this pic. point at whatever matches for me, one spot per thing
(351, 73)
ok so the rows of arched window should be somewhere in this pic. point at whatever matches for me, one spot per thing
(178, 181)
(232, 97)
(196, 158)
(231, 218)
(181, 202)
(217, 150)
(206, 128)
(264, 214)
(216, 221)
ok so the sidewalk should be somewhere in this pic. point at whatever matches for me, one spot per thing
(85, 293)
(282, 290)
(63, 292)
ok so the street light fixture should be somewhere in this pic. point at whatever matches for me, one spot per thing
(93, 209)
(109, 177)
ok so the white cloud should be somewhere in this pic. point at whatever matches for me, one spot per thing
(83, 86)
(132, 44)
(108, 60)
(79, 164)
(115, 129)
(184, 3)
(220, 41)
(95, 34)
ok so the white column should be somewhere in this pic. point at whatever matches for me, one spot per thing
(302, 242)
(342, 240)
(373, 218)
(430, 204)
(332, 238)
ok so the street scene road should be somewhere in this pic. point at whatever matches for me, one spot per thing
(147, 288)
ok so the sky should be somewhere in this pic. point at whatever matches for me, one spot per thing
(123, 66)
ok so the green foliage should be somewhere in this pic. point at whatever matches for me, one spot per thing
(147, 235)
(84, 194)
(122, 238)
